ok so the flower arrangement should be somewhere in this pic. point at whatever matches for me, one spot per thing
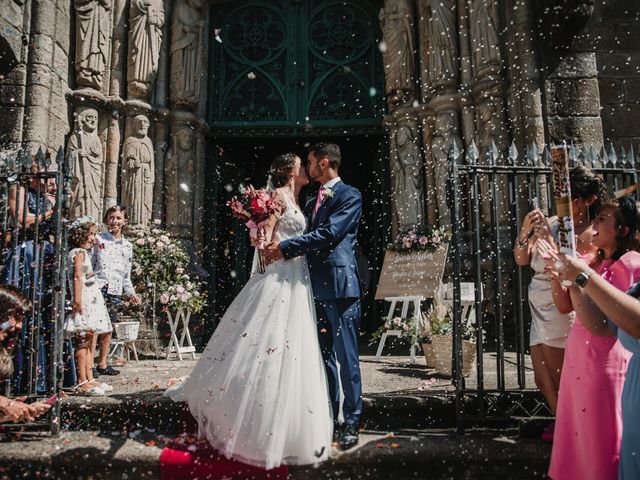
(255, 207)
(159, 260)
(420, 238)
(406, 327)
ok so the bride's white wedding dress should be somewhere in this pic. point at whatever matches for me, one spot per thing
(259, 391)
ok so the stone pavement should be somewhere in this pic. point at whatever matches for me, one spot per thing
(407, 431)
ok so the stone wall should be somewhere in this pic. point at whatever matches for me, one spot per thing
(34, 44)
(614, 36)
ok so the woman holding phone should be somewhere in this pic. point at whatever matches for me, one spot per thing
(549, 327)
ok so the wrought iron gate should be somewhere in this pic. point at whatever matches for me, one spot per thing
(33, 259)
(488, 200)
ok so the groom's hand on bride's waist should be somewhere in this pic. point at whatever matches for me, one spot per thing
(272, 252)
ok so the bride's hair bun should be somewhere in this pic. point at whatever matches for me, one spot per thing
(281, 169)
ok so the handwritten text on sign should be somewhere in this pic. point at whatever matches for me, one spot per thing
(412, 273)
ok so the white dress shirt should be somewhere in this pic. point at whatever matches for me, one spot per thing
(112, 263)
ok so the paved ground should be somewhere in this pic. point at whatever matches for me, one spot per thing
(392, 374)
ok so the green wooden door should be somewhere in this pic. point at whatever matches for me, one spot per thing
(296, 67)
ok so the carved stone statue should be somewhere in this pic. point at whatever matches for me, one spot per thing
(138, 173)
(442, 50)
(407, 175)
(179, 174)
(185, 51)
(396, 21)
(92, 41)
(146, 19)
(484, 37)
(444, 135)
(88, 164)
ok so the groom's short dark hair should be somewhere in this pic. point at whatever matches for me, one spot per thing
(330, 151)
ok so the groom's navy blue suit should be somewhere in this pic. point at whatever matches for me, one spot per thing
(329, 245)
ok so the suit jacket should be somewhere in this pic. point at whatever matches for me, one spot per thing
(329, 244)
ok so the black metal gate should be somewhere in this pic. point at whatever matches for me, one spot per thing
(488, 200)
(34, 201)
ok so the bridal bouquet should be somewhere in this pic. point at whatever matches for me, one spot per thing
(254, 207)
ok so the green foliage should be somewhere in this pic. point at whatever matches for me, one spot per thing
(160, 260)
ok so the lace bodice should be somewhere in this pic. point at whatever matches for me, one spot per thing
(292, 223)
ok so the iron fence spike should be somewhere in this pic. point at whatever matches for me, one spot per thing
(613, 157)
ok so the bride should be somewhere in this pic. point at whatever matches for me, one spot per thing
(259, 392)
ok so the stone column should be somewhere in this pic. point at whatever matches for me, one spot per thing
(116, 92)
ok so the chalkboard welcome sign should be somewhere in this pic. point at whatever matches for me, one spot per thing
(407, 274)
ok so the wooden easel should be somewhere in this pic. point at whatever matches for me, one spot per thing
(176, 346)
(415, 321)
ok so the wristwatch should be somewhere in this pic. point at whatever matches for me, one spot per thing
(582, 278)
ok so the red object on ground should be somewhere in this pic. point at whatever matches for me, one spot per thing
(186, 457)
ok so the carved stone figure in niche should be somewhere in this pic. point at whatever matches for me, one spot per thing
(88, 164)
(484, 37)
(138, 173)
(396, 21)
(442, 51)
(407, 175)
(145, 36)
(444, 136)
(186, 44)
(183, 160)
(92, 41)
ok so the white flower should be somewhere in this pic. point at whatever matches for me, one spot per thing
(179, 270)
(140, 242)
(180, 289)
(151, 239)
(328, 193)
(164, 238)
(156, 231)
(164, 299)
(157, 221)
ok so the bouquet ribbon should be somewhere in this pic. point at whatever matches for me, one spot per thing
(257, 231)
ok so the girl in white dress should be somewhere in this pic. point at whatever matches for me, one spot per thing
(89, 314)
(259, 392)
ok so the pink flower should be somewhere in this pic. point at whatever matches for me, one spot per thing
(151, 239)
(140, 242)
(179, 270)
(164, 299)
(412, 237)
(387, 325)
(159, 245)
(185, 297)
(157, 221)
(405, 327)
(397, 320)
(407, 244)
(423, 240)
(180, 289)
(436, 238)
(164, 239)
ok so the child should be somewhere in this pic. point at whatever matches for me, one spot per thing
(89, 314)
(112, 264)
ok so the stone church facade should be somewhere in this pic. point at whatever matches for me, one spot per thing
(126, 87)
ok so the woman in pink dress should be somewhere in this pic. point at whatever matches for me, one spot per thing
(588, 420)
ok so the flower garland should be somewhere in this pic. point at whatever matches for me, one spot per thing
(420, 238)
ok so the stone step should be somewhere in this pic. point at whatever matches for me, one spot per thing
(152, 410)
(433, 454)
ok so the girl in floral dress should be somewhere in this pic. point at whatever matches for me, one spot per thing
(89, 316)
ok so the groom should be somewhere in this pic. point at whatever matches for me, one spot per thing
(329, 244)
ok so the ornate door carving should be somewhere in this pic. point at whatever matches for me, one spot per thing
(289, 67)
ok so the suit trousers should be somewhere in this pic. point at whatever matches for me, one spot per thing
(338, 323)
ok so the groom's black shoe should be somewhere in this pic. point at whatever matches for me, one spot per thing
(337, 432)
(349, 437)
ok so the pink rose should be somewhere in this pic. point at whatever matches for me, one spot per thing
(157, 221)
(397, 320)
(185, 297)
(387, 325)
(160, 245)
(180, 289)
(164, 299)
(164, 239)
(407, 244)
(179, 270)
(140, 242)
(423, 240)
(436, 239)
